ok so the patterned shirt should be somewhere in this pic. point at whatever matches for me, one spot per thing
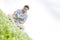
(20, 15)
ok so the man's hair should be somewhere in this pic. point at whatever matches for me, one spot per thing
(26, 6)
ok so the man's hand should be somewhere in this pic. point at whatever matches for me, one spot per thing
(22, 22)
(14, 16)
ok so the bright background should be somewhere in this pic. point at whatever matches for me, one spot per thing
(43, 22)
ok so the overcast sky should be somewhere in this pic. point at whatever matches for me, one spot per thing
(43, 22)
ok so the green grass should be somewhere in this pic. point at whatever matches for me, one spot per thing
(9, 31)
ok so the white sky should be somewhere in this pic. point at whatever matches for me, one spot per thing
(43, 21)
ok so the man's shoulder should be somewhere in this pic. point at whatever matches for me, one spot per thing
(18, 10)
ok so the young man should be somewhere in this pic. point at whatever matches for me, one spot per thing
(20, 16)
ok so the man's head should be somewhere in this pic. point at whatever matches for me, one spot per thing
(26, 8)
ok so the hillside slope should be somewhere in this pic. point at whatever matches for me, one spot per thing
(8, 31)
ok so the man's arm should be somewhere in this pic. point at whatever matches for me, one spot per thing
(14, 15)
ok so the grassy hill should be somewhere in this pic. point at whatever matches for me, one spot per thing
(9, 31)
